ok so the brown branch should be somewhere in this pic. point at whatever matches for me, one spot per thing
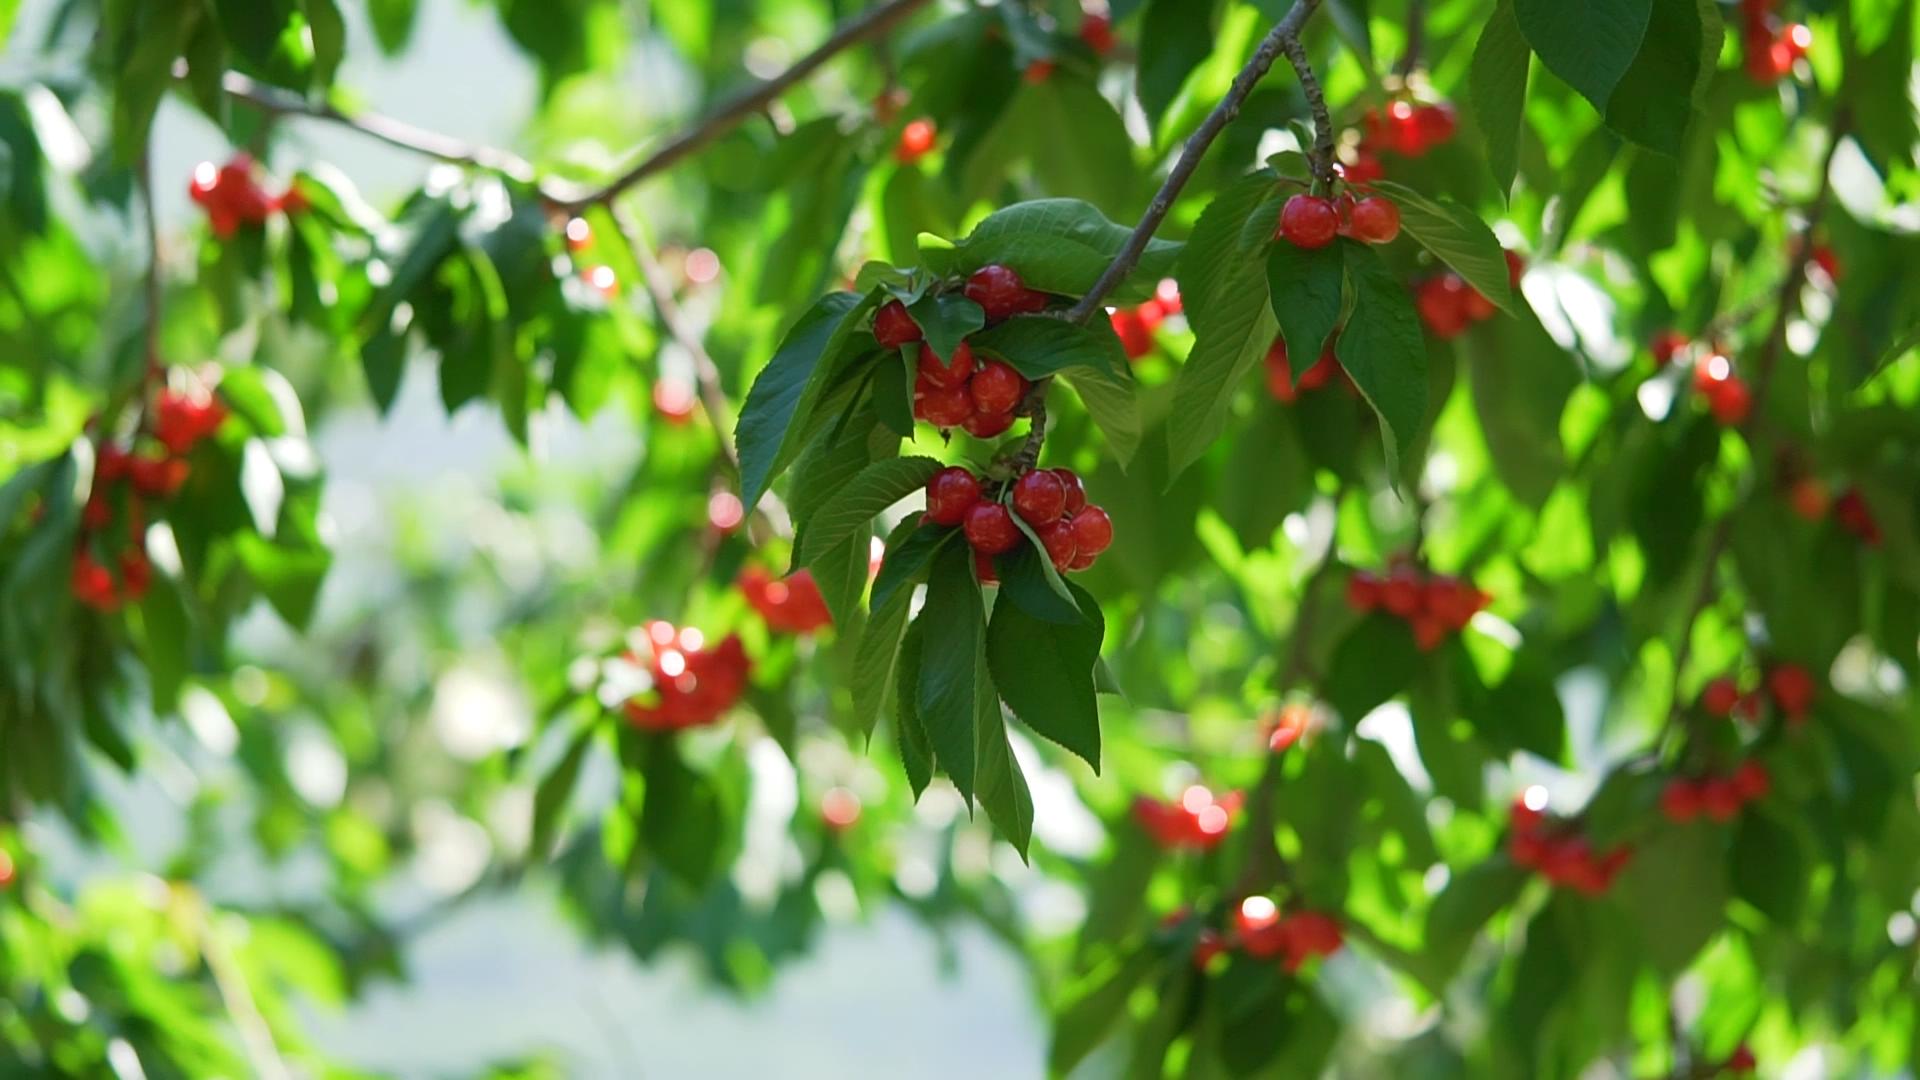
(1284, 37)
(868, 24)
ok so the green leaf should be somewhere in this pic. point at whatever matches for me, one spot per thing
(1077, 143)
(783, 396)
(1769, 866)
(288, 577)
(1497, 89)
(1040, 345)
(392, 23)
(146, 46)
(1223, 290)
(1306, 290)
(840, 571)
(682, 818)
(1383, 351)
(1029, 579)
(946, 320)
(1003, 787)
(1374, 662)
(1682, 39)
(555, 788)
(1062, 246)
(850, 513)
(1176, 36)
(329, 32)
(1109, 399)
(916, 751)
(1675, 888)
(893, 390)
(1472, 897)
(907, 557)
(874, 662)
(1520, 380)
(1588, 43)
(256, 28)
(1457, 237)
(1044, 671)
(1092, 1011)
(950, 663)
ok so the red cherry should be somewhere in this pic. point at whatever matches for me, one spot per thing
(1729, 400)
(1209, 945)
(916, 139)
(1092, 530)
(1429, 632)
(1322, 372)
(1000, 292)
(1719, 799)
(1436, 123)
(1528, 850)
(1061, 542)
(1375, 220)
(1309, 221)
(893, 327)
(1364, 169)
(1808, 498)
(1752, 781)
(1680, 800)
(1097, 31)
(1167, 293)
(990, 528)
(1441, 302)
(1402, 131)
(1516, 267)
(92, 583)
(1076, 491)
(982, 425)
(1038, 71)
(1363, 592)
(1280, 374)
(950, 494)
(1720, 696)
(1343, 205)
(1742, 1060)
(1402, 594)
(946, 373)
(941, 406)
(983, 568)
(996, 387)
(1666, 345)
(1136, 338)
(1792, 689)
(1039, 497)
(1851, 510)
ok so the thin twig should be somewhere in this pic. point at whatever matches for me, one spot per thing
(1320, 157)
(1416, 38)
(868, 24)
(1284, 35)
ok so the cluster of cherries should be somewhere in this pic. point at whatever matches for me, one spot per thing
(122, 480)
(1197, 821)
(1433, 605)
(1408, 128)
(232, 196)
(1719, 798)
(959, 391)
(1052, 501)
(1280, 373)
(692, 685)
(1262, 932)
(1810, 498)
(790, 605)
(1561, 855)
(1771, 46)
(1791, 687)
(1312, 221)
(1134, 326)
(1727, 395)
(1448, 305)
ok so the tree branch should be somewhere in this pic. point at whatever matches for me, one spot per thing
(868, 24)
(1416, 38)
(144, 177)
(1284, 37)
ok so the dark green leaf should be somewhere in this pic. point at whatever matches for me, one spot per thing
(1497, 88)
(1588, 43)
(783, 396)
(1768, 866)
(1040, 345)
(1457, 237)
(1061, 246)
(1044, 671)
(1003, 787)
(1383, 351)
(916, 751)
(946, 319)
(850, 513)
(950, 664)
(1676, 890)
(906, 557)
(682, 819)
(1657, 96)
(1374, 662)
(555, 788)
(1175, 37)
(1306, 288)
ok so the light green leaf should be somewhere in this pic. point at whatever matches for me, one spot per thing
(1061, 246)
(1457, 237)
(783, 396)
(1497, 90)
(851, 511)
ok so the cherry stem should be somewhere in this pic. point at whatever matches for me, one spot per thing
(1035, 407)
(153, 284)
(1284, 37)
(1416, 38)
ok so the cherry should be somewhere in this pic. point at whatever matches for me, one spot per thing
(1528, 850)
(1038, 71)
(1343, 205)
(673, 400)
(160, 477)
(792, 606)
(1308, 221)
(1720, 697)
(1136, 337)
(579, 234)
(996, 387)
(1827, 261)
(1741, 1061)
(1680, 800)
(950, 494)
(1076, 491)
(1792, 688)
(941, 406)
(1729, 400)
(1040, 497)
(1000, 292)
(1209, 945)
(181, 421)
(1428, 632)
(1364, 169)
(1851, 510)
(990, 528)
(1403, 129)
(1363, 592)
(1402, 594)
(1061, 542)
(1097, 31)
(983, 425)
(1719, 799)
(839, 809)
(1257, 921)
(92, 583)
(983, 568)
(1375, 220)
(1436, 123)
(1322, 371)
(1167, 294)
(1808, 498)
(1516, 267)
(1666, 345)
(1092, 531)
(893, 327)
(1752, 781)
(948, 373)
(916, 139)
(1441, 302)
(1280, 374)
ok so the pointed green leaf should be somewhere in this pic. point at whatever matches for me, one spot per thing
(1588, 43)
(946, 320)
(783, 396)
(850, 513)
(1003, 787)
(1457, 237)
(1041, 345)
(1306, 288)
(916, 752)
(950, 663)
(1497, 90)
(1383, 351)
(1044, 671)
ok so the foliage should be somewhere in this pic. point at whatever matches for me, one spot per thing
(1529, 652)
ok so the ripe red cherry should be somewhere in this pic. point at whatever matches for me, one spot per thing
(1363, 592)
(950, 494)
(941, 406)
(1752, 781)
(1061, 543)
(1808, 498)
(1442, 305)
(1039, 497)
(1000, 292)
(1092, 530)
(1719, 799)
(1792, 689)
(1429, 632)
(1280, 374)
(915, 140)
(1742, 1060)
(893, 327)
(983, 568)
(990, 529)
(1402, 594)
(1375, 220)
(1076, 491)
(1680, 800)
(946, 373)
(1364, 169)
(1038, 71)
(1720, 696)
(1209, 945)
(1666, 345)
(1436, 123)
(1136, 337)
(1309, 221)
(1097, 31)
(983, 425)
(996, 387)
(1729, 400)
